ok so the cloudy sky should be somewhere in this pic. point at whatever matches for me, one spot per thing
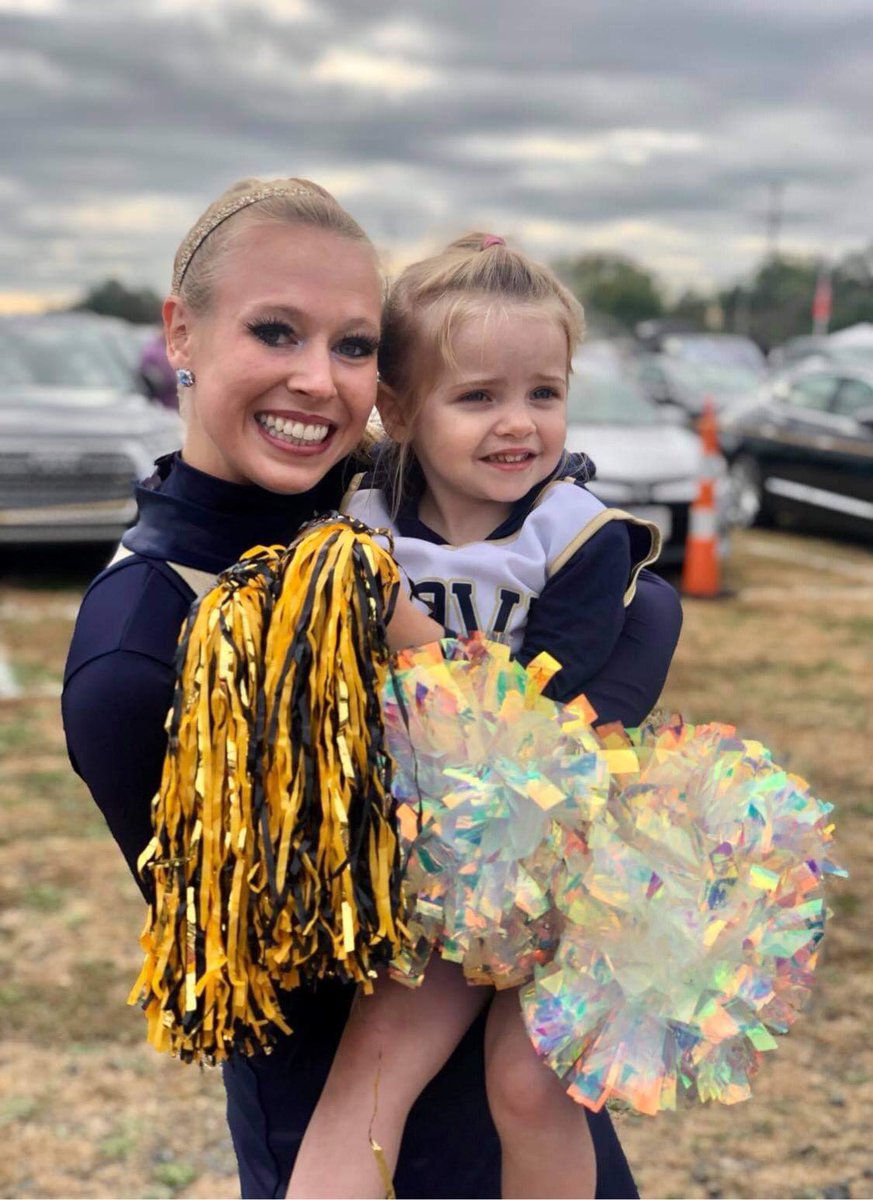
(680, 132)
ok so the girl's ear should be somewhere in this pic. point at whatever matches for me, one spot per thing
(391, 413)
(177, 331)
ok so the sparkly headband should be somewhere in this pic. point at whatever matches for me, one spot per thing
(203, 228)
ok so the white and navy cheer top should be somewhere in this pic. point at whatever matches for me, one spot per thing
(562, 558)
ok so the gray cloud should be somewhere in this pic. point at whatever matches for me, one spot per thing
(652, 130)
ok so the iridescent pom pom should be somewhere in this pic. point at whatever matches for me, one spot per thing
(691, 923)
(495, 785)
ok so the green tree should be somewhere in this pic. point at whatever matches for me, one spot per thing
(852, 282)
(692, 306)
(612, 286)
(113, 299)
(776, 304)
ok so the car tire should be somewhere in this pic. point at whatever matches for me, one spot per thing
(748, 505)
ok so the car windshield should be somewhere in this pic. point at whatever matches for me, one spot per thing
(13, 369)
(724, 351)
(607, 399)
(50, 355)
(709, 377)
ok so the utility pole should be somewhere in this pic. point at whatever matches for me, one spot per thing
(774, 218)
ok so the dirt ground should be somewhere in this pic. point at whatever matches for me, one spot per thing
(88, 1110)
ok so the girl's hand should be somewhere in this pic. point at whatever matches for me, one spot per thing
(411, 627)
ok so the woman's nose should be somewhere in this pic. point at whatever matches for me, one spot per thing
(312, 374)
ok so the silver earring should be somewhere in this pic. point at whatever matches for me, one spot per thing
(184, 377)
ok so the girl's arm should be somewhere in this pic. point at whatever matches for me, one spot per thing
(580, 614)
(626, 685)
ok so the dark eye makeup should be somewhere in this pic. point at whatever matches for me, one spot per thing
(358, 345)
(273, 331)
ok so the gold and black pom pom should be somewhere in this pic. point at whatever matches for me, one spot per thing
(274, 860)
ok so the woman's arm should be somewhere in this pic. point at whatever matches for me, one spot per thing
(114, 709)
(118, 688)
(409, 626)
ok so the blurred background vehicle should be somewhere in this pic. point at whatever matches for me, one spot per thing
(802, 450)
(75, 433)
(851, 345)
(120, 337)
(688, 385)
(686, 368)
(646, 464)
(707, 349)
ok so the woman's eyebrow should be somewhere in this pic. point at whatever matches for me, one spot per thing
(280, 309)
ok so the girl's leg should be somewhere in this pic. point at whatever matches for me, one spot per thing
(395, 1040)
(546, 1144)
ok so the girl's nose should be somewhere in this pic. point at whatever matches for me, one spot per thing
(515, 420)
(312, 374)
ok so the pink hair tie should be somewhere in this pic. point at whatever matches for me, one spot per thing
(491, 239)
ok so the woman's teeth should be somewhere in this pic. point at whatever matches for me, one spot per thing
(293, 431)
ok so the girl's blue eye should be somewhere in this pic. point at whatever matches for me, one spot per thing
(359, 346)
(546, 393)
(272, 333)
(474, 396)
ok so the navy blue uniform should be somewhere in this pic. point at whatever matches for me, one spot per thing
(117, 690)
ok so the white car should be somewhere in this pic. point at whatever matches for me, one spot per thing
(646, 463)
(74, 433)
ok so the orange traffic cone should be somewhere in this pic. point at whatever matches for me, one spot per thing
(701, 571)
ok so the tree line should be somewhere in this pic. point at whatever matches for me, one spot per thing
(772, 306)
(618, 293)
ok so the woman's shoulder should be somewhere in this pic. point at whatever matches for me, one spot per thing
(134, 606)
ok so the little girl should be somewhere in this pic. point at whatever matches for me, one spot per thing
(492, 522)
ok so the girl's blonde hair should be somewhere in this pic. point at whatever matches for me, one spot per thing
(476, 275)
(245, 203)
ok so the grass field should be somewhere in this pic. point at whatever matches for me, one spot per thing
(87, 1110)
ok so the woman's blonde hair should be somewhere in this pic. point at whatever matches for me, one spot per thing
(247, 202)
(478, 274)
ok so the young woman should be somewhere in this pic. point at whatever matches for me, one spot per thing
(273, 324)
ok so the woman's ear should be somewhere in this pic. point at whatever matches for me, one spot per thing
(391, 413)
(177, 331)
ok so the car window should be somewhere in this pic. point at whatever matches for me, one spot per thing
(13, 369)
(813, 391)
(54, 354)
(853, 395)
(597, 397)
(720, 350)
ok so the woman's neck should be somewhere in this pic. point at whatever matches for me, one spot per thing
(461, 520)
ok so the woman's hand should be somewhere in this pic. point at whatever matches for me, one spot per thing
(411, 627)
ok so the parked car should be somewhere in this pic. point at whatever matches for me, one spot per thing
(803, 449)
(645, 464)
(121, 337)
(712, 350)
(74, 435)
(852, 345)
(688, 385)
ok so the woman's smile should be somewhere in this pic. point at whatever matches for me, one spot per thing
(295, 431)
